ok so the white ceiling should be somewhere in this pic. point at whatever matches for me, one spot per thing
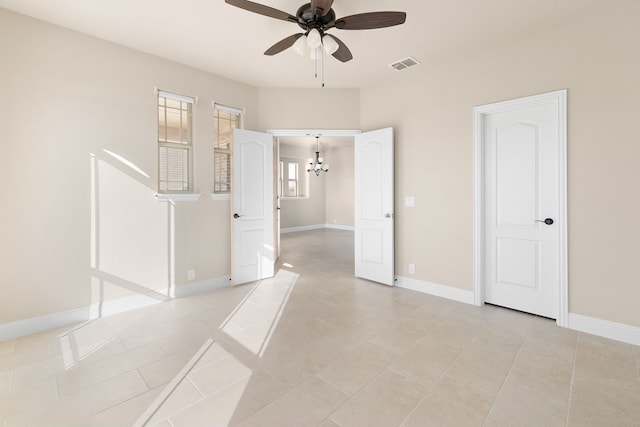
(214, 36)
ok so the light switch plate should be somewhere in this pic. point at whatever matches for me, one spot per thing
(410, 201)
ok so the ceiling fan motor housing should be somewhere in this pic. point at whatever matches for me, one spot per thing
(308, 18)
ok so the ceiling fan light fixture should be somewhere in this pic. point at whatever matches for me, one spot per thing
(300, 46)
(329, 43)
(314, 39)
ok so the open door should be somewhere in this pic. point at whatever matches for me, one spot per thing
(253, 255)
(374, 206)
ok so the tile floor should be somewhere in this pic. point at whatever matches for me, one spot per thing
(316, 347)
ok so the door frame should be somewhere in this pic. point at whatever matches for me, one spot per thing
(560, 99)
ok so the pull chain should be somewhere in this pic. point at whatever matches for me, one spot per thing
(315, 62)
(322, 59)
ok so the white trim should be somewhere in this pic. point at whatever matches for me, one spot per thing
(221, 196)
(301, 228)
(177, 197)
(339, 227)
(448, 292)
(314, 132)
(605, 328)
(33, 325)
(559, 97)
(209, 285)
(20, 328)
(124, 304)
(133, 302)
(176, 96)
(227, 109)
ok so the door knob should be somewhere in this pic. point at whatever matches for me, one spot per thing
(388, 215)
(236, 216)
(547, 221)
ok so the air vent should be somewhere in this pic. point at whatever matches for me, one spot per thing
(403, 64)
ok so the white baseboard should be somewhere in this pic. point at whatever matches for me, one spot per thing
(33, 325)
(202, 286)
(590, 325)
(605, 328)
(448, 292)
(24, 327)
(120, 305)
(315, 227)
(301, 228)
(339, 227)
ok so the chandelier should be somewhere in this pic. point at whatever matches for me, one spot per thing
(317, 165)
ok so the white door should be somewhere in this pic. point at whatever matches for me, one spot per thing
(374, 202)
(252, 201)
(278, 196)
(522, 207)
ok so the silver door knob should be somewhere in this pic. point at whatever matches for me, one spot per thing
(388, 215)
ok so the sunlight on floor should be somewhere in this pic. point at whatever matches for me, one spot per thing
(83, 341)
(253, 321)
(251, 324)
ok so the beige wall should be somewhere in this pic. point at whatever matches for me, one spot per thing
(330, 198)
(309, 210)
(597, 59)
(339, 181)
(309, 108)
(74, 217)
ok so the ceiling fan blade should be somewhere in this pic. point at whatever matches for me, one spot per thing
(343, 53)
(262, 10)
(322, 7)
(371, 20)
(283, 44)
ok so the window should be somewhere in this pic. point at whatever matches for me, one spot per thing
(175, 143)
(291, 184)
(292, 180)
(226, 119)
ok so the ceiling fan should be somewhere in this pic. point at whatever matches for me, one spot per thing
(316, 18)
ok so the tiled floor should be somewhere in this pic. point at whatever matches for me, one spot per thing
(316, 347)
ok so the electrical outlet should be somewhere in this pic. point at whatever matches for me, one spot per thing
(191, 274)
(412, 268)
(410, 201)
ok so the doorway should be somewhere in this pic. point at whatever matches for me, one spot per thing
(309, 201)
(315, 208)
(372, 204)
(520, 219)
